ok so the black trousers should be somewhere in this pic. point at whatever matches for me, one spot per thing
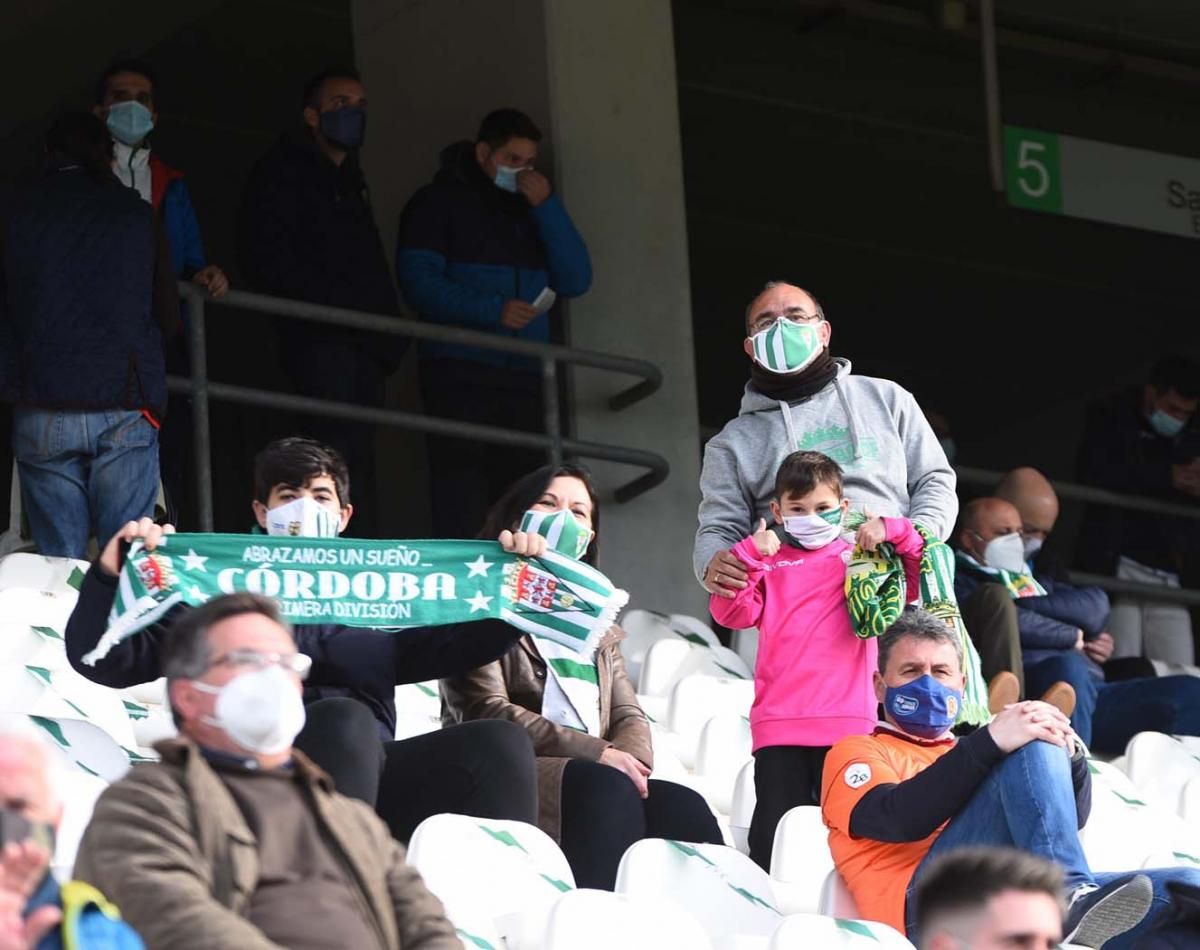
(602, 815)
(784, 776)
(990, 615)
(484, 768)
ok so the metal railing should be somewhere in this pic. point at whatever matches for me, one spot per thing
(1073, 491)
(549, 355)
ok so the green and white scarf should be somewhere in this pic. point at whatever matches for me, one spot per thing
(571, 697)
(1018, 585)
(393, 584)
(876, 595)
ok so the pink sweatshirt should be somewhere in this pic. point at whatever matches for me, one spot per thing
(812, 680)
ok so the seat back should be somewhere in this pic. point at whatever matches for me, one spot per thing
(806, 931)
(723, 748)
(693, 630)
(643, 629)
(741, 809)
(600, 920)
(1123, 831)
(836, 899)
(491, 875)
(696, 699)
(723, 889)
(661, 664)
(800, 860)
(1160, 766)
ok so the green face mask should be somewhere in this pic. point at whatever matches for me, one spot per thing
(561, 529)
(786, 346)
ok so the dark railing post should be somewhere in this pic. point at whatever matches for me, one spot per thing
(200, 424)
(550, 409)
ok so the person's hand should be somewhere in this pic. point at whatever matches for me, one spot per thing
(766, 541)
(1185, 477)
(519, 542)
(212, 279)
(150, 533)
(1101, 648)
(22, 868)
(1019, 724)
(534, 186)
(516, 314)
(725, 575)
(872, 534)
(1079, 641)
(633, 767)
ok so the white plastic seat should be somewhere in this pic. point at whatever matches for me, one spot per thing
(491, 875)
(38, 608)
(723, 889)
(741, 809)
(77, 791)
(1123, 831)
(723, 749)
(153, 693)
(655, 707)
(418, 709)
(1191, 801)
(693, 630)
(84, 746)
(37, 572)
(809, 931)
(601, 920)
(1160, 766)
(643, 628)
(800, 860)
(669, 661)
(836, 899)
(745, 644)
(696, 699)
(63, 693)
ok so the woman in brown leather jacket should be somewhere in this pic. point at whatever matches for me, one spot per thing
(595, 794)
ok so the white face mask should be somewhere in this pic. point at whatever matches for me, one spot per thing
(1032, 546)
(303, 517)
(1007, 553)
(814, 531)
(261, 711)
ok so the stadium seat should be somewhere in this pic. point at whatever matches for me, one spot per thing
(836, 900)
(693, 630)
(669, 661)
(62, 693)
(800, 860)
(1191, 801)
(37, 608)
(418, 709)
(84, 747)
(696, 699)
(643, 628)
(36, 572)
(77, 792)
(741, 809)
(1159, 766)
(809, 931)
(723, 889)
(1123, 831)
(745, 645)
(153, 693)
(601, 920)
(666, 763)
(493, 876)
(655, 707)
(723, 749)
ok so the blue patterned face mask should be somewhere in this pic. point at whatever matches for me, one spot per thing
(924, 707)
(129, 122)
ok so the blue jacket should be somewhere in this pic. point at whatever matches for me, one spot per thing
(466, 247)
(80, 258)
(169, 196)
(89, 921)
(1047, 624)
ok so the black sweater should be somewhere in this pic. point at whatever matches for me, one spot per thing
(360, 662)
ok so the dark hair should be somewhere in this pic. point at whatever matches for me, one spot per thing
(920, 625)
(79, 138)
(312, 88)
(964, 880)
(801, 472)
(126, 66)
(294, 462)
(1176, 373)
(772, 284)
(523, 494)
(504, 124)
(186, 653)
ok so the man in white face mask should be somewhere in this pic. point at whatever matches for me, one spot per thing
(235, 838)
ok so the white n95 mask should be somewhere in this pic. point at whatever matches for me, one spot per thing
(303, 517)
(261, 711)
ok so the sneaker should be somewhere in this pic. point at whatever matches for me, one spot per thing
(1100, 913)
(1003, 690)
(1062, 696)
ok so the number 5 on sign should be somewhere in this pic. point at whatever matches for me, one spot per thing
(1031, 169)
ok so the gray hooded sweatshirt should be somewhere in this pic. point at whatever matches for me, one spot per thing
(874, 429)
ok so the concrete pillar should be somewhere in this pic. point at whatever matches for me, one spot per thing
(600, 80)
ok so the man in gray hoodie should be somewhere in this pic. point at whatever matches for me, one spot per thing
(800, 397)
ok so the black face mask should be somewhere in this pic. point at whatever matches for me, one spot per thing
(346, 126)
(16, 828)
(815, 377)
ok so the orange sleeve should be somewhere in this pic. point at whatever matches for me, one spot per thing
(853, 767)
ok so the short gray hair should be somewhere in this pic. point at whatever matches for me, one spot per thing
(771, 285)
(920, 625)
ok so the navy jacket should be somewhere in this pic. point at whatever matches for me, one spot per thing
(358, 662)
(306, 232)
(1047, 624)
(170, 197)
(81, 329)
(466, 247)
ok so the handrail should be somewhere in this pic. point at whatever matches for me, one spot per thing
(202, 390)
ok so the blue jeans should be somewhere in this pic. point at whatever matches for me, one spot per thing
(83, 473)
(1028, 802)
(1108, 715)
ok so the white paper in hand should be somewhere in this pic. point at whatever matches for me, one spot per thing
(544, 301)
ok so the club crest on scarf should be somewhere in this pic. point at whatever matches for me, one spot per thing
(156, 573)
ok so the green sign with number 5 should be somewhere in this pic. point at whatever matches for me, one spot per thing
(1031, 169)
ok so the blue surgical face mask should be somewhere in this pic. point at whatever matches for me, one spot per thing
(1165, 424)
(129, 122)
(506, 177)
(346, 126)
(924, 707)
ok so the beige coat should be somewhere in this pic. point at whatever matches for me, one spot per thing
(170, 847)
(511, 688)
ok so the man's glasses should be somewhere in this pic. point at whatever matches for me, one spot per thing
(764, 321)
(298, 663)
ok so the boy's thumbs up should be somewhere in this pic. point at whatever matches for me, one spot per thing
(762, 525)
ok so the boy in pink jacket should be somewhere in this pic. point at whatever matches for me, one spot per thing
(812, 680)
